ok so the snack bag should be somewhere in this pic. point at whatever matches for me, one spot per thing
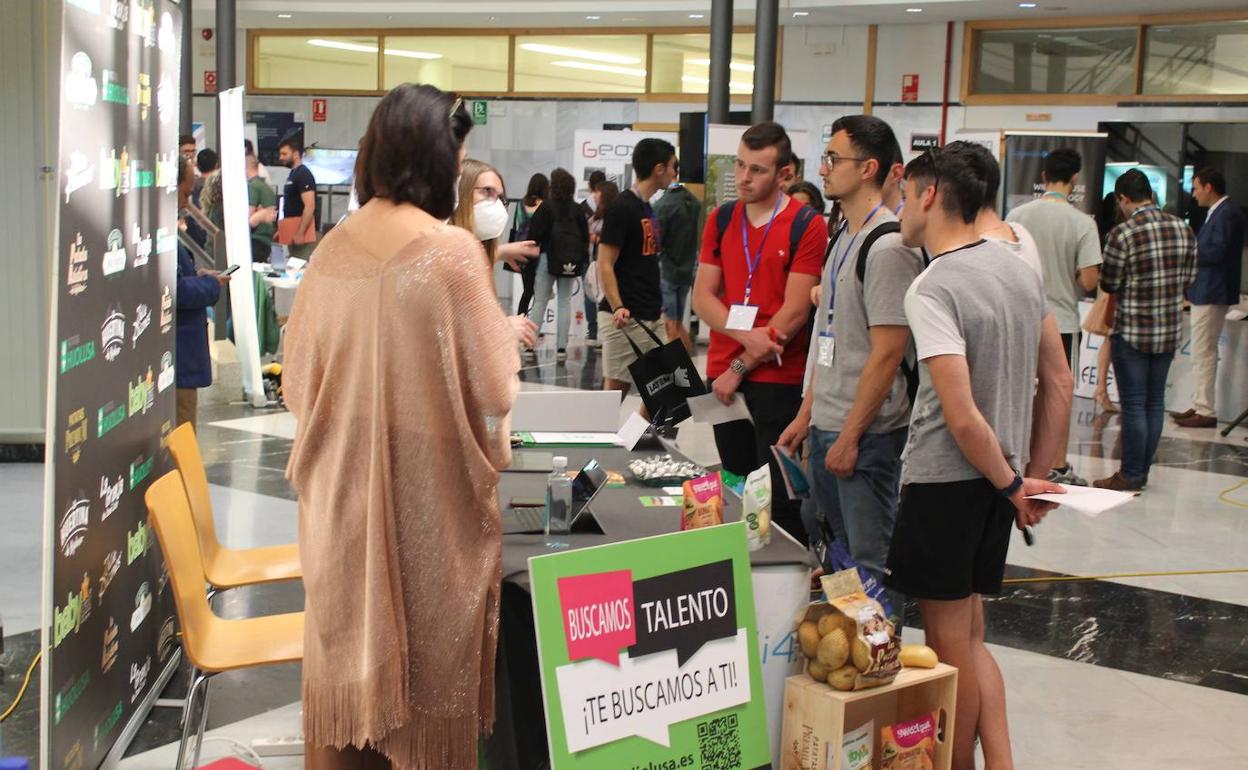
(910, 745)
(704, 503)
(856, 748)
(756, 507)
(875, 645)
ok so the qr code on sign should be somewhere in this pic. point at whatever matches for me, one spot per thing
(719, 741)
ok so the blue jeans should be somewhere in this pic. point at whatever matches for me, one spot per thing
(544, 287)
(862, 509)
(1142, 396)
(591, 313)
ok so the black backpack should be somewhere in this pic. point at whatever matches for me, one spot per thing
(723, 216)
(567, 251)
(908, 368)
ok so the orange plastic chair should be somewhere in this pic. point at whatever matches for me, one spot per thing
(212, 644)
(225, 567)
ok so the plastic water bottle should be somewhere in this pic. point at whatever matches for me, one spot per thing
(559, 499)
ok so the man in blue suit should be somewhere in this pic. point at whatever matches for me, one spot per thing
(198, 290)
(1219, 260)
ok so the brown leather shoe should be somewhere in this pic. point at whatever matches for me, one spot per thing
(1197, 421)
(1183, 415)
(1119, 483)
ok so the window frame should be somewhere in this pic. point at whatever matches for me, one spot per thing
(1141, 22)
(255, 35)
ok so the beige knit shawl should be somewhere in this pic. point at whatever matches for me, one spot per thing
(401, 373)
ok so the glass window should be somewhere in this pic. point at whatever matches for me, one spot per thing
(681, 64)
(476, 63)
(323, 63)
(1055, 61)
(593, 64)
(1196, 58)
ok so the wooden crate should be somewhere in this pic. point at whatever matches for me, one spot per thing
(816, 717)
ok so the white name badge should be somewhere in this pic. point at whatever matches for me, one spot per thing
(827, 349)
(741, 317)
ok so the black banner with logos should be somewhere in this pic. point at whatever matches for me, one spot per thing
(1024, 160)
(112, 395)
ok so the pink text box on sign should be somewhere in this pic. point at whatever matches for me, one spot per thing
(599, 615)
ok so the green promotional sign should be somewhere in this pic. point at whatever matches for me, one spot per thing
(649, 654)
(480, 111)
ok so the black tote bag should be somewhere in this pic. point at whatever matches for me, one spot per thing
(666, 378)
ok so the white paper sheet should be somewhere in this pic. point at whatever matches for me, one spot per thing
(632, 431)
(1089, 501)
(708, 409)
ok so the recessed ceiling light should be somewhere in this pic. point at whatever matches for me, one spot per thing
(578, 53)
(697, 15)
(798, 14)
(914, 10)
(592, 18)
(283, 16)
(1026, 5)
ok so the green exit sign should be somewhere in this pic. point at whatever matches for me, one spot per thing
(480, 111)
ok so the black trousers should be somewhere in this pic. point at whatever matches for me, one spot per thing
(744, 447)
(528, 276)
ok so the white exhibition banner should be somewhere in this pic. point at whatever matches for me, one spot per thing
(610, 152)
(235, 213)
(787, 591)
(722, 142)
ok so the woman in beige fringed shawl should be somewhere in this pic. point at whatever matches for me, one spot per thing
(401, 370)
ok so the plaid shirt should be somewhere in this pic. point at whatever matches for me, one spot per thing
(1149, 261)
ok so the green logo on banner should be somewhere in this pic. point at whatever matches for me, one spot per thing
(139, 470)
(105, 727)
(73, 357)
(137, 543)
(66, 620)
(480, 112)
(107, 420)
(649, 653)
(114, 91)
(67, 698)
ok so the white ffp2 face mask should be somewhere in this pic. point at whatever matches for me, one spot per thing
(489, 219)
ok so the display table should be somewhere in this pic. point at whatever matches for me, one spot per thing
(780, 580)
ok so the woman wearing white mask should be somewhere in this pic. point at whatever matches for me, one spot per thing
(482, 210)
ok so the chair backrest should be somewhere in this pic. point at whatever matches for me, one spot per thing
(170, 515)
(185, 450)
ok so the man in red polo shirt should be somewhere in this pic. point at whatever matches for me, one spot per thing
(753, 289)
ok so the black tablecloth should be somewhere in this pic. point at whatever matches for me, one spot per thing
(519, 740)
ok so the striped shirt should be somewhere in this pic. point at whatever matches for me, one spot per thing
(1149, 261)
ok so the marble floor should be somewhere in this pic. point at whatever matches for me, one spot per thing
(1139, 672)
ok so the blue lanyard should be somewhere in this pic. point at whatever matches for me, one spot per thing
(845, 255)
(752, 262)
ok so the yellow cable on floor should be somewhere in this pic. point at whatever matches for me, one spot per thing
(1222, 496)
(1077, 578)
(22, 692)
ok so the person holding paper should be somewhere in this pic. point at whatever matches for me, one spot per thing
(857, 405)
(299, 222)
(753, 289)
(995, 395)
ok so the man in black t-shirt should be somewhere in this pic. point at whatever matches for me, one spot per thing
(628, 264)
(298, 201)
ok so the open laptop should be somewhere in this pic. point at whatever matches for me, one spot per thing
(585, 487)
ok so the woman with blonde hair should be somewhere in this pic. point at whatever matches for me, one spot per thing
(401, 371)
(482, 211)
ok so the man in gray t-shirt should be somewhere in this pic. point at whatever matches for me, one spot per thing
(1070, 255)
(985, 337)
(857, 405)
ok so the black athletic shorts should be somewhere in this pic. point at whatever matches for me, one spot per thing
(950, 540)
(1069, 343)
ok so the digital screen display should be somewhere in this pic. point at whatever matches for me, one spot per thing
(331, 167)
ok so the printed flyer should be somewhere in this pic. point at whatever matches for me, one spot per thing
(649, 654)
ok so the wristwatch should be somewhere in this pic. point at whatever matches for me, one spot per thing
(737, 366)
(1009, 491)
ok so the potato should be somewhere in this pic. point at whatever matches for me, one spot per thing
(918, 656)
(862, 655)
(843, 678)
(817, 671)
(808, 638)
(833, 649)
(834, 620)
